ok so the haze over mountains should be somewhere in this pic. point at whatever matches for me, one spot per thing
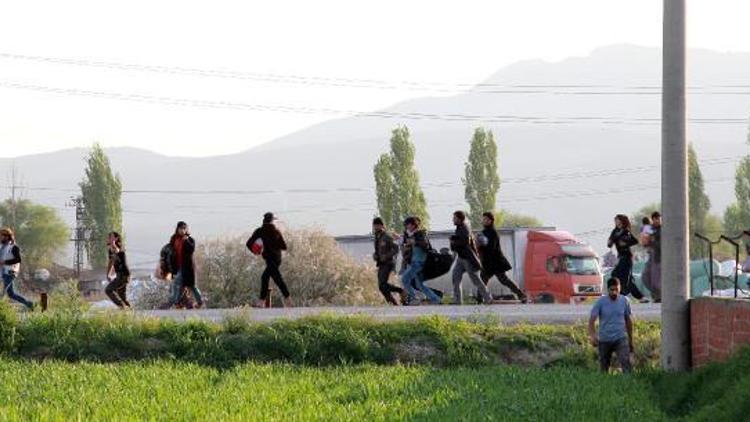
(579, 141)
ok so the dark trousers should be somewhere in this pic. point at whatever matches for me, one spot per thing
(621, 347)
(623, 271)
(272, 272)
(117, 291)
(386, 288)
(504, 280)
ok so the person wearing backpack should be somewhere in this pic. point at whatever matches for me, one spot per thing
(467, 260)
(386, 251)
(494, 262)
(272, 244)
(416, 246)
(10, 265)
(183, 263)
(116, 290)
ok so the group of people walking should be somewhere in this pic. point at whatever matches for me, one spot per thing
(480, 257)
(623, 240)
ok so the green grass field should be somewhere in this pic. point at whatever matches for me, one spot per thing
(179, 391)
(67, 365)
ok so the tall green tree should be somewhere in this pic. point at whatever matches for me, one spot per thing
(481, 179)
(384, 186)
(101, 191)
(698, 202)
(737, 215)
(40, 232)
(397, 182)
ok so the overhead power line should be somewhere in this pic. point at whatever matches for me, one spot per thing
(370, 83)
(618, 171)
(446, 117)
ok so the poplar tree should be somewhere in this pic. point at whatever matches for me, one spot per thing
(698, 202)
(101, 191)
(481, 180)
(397, 183)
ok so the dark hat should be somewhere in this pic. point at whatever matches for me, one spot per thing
(268, 217)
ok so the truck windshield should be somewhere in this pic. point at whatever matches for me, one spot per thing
(582, 265)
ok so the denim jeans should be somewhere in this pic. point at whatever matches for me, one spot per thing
(177, 292)
(414, 273)
(8, 280)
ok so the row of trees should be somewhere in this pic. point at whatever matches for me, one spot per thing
(399, 194)
(43, 234)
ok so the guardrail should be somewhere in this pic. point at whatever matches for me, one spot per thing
(732, 241)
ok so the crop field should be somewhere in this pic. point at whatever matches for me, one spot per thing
(165, 390)
(67, 365)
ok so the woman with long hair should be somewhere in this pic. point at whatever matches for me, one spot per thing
(183, 246)
(117, 287)
(10, 265)
(622, 239)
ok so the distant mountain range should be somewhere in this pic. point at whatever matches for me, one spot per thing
(579, 141)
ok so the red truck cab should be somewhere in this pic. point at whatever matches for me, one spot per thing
(560, 269)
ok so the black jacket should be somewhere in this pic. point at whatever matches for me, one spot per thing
(623, 240)
(119, 263)
(188, 262)
(491, 254)
(656, 244)
(386, 249)
(273, 241)
(462, 243)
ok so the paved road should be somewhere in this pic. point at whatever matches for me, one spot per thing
(509, 314)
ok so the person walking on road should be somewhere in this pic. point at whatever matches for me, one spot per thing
(494, 263)
(10, 265)
(615, 327)
(467, 260)
(386, 251)
(652, 270)
(416, 246)
(622, 239)
(116, 290)
(271, 244)
(184, 264)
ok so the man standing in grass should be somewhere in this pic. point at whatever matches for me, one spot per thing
(615, 327)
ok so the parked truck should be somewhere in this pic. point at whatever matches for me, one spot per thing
(550, 266)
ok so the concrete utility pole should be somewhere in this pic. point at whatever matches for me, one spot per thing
(675, 279)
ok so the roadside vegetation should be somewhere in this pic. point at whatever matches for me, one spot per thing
(70, 365)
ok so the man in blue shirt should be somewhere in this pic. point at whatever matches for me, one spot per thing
(615, 327)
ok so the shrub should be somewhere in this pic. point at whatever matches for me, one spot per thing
(315, 269)
(8, 327)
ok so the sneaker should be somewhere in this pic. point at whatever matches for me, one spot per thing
(288, 303)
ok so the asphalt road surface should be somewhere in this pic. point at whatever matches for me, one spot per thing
(504, 313)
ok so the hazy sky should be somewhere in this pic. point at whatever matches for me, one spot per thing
(284, 54)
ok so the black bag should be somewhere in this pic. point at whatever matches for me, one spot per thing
(437, 264)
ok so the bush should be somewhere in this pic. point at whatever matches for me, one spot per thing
(315, 269)
(8, 327)
(65, 297)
